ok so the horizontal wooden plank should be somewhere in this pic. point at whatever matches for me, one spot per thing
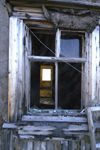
(53, 119)
(64, 3)
(27, 9)
(44, 112)
(82, 127)
(9, 126)
(34, 24)
(96, 108)
(28, 15)
(56, 59)
(44, 133)
(29, 127)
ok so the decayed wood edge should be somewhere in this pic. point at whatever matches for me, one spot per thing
(13, 68)
(95, 108)
(57, 53)
(34, 24)
(91, 129)
(95, 65)
(9, 126)
(27, 9)
(53, 119)
(60, 3)
(56, 59)
(20, 73)
(31, 137)
(74, 127)
(27, 15)
(28, 49)
(85, 54)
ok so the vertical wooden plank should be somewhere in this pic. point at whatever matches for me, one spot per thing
(50, 145)
(27, 67)
(74, 145)
(24, 145)
(88, 146)
(84, 85)
(57, 146)
(57, 53)
(17, 143)
(56, 85)
(37, 145)
(5, 140)
(13, 68)
(30, 145)
(11, 140)
(65, 145)
(57, 43)
(83, 145)
(91, 129)
(95, 65)
(16, 68)
(20, 73)
(43, 145)
(69, 145)
(78, 143)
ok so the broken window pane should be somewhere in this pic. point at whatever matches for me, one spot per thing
(39, 49)
(70, 47)
(69, 86)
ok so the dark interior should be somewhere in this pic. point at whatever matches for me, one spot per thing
(69, 86)
(35, 87)
(69, 79)
(39, 49)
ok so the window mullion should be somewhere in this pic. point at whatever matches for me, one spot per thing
(57, 53)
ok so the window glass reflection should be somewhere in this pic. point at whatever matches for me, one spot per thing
(70, 47)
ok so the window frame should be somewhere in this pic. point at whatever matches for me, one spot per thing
(57, 59)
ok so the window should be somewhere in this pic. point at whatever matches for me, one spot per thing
(56, 63)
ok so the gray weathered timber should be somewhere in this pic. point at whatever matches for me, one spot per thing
(13, 68)
(67, 127)
(16, 69)
(91, 129)
(36, 24)
(28, 49)
(62, 3)
(27, 15)
(56, 59)
(53, 118)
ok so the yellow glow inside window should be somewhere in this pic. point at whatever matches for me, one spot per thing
(46, 74)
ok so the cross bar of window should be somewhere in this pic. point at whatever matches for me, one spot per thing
(56, 59)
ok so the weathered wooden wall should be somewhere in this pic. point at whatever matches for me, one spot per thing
(4, 44)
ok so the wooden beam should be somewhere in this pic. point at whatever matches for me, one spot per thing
(28, 15)
(95, 66)
(64, 3)
(15, 86)
(96, 108)
(56, 59)
(53, 119)
(36, 24)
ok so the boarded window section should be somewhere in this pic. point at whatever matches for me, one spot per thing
(69, 94)
(70, 46)
(38, 49)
